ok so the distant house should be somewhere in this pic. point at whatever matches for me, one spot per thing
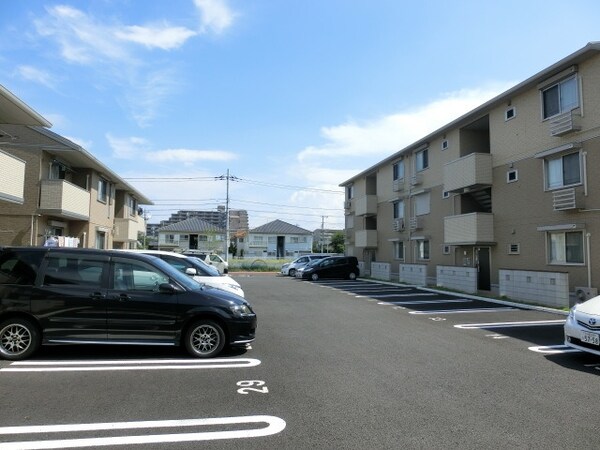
(192, 234)
(278, 238)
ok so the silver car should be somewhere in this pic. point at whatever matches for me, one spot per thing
(292, 267)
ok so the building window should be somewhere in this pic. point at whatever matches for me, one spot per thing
(512, 176)
(421, 203)
(560, 97)
(58, 171)
(565, 247)
(399, 250)
(514, 249)
(563, 171)
(422, 159)
(398, 209)
(102, 190)
(101, 240)
(510, 113)
(132, 205)
(398, 170)
(446, 249)
(423, 249)
(445, 144)
(202, 238)
(349, 192)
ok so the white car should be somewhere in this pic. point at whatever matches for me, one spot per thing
(197, 269)
(211, 259)
(582, 328)
(292, 267)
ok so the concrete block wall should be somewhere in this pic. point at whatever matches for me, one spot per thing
(457, 277)
(543, 288)
(413, 274)
(381, 271)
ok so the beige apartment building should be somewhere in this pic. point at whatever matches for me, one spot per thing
(503, 199)
(52, 191)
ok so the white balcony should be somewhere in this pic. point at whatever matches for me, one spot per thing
(126, 230)
(365, 238)
(63, 199)
(12, 178)
(469, 229)
(468, 172)
(365, 205)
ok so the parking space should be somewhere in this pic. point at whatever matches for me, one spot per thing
(90, 396)
(534, 329)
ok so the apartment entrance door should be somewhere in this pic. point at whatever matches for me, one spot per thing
(483, 264)
(280, 246)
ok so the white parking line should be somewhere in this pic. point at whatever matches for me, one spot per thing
(553, 349)
(274, 425)
(531, 323)
(462, 311)
(125, 364)
(426, 302)
(396, 295)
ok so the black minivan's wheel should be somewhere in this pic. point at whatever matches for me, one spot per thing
(19, 338)
(204, 339)
(292, 272)
(314, 276)
(352, 276)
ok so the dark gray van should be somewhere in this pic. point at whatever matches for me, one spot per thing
(86, 296)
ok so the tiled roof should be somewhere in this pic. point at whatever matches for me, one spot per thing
(192, 225)
(279, 227)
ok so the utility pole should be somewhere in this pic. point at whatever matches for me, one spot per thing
(322, 231)
(227, 221)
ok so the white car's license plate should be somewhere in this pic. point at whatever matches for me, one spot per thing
(590, 338)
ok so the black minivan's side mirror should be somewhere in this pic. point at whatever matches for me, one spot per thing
(167, 288)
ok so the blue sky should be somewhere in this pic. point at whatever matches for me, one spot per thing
(293, 97)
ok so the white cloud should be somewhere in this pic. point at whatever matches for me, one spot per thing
(216, 15)
(128, 147)
(36, 75)
(188, 156)
(164, 37)
(139, 148)
(388, 134)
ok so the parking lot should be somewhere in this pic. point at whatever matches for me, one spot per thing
(336, 364)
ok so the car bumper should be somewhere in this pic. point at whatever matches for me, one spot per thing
(574, 333)
(242, 331)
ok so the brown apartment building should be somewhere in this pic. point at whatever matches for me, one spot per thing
(504, 199)
(53, 190)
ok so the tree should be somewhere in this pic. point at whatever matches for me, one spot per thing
(337, 242)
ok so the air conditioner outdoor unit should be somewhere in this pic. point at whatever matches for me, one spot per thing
(584, 293)
(398, 224)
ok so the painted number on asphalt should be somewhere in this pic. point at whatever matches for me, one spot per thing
(248, 386)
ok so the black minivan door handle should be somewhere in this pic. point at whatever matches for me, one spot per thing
(122, 297)
(97, 295)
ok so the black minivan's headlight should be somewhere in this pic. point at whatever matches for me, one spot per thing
(240, 310)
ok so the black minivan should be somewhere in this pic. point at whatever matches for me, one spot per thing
(88, 296)
(332, 267)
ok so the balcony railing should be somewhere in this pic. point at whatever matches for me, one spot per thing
(126, 230)
(468, 172)
(398, 224)
(365, 238)
(365, 205)
(398, 185)
(469, 229)
(63, 199)
(12, 178)
(416, 223)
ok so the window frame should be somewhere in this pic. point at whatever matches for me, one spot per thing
(399, 250)
(561, 157)
(398, 170)
(398, 209)
(560, 108)
(422, 160)
(102, 190)
(423, 249)
(551, 260)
